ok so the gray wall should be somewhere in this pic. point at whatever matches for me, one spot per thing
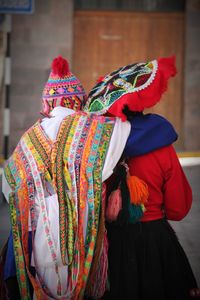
(36, 40)
(2, 54)
(192, 76)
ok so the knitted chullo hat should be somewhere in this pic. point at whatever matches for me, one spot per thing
(137, 86)
(62, 88)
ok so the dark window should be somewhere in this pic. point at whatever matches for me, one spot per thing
(133, 5)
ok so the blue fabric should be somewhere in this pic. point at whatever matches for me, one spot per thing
(10, 267)
(148, 133)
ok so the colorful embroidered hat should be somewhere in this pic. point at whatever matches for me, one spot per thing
(137, 86)
(62, 88)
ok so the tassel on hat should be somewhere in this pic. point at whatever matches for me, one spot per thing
(60, 66)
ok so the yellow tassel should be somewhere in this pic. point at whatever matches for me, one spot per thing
(138, 190)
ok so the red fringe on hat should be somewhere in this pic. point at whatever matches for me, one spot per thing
(100, 79)
(60, 66)
(149, 96)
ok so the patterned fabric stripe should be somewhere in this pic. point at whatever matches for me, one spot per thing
(42, 137)
(72, 80)
(26, 196)
(91, 148)
(9, 177)
(62, 137)
(41, 200)
(99, 216)
(41, 151)
(68, 127)
(94, 202)
(82, 206)
(75, 156)
(66, 94)
(19, 219)
(32, 144)
(19, 258)
(75, 159)
(87, 167)
(96, 284)
(71, 144)
(13, 166)
(41, 145)
(78, 129)
(17, 171)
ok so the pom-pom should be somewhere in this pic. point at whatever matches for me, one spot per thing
(135, 212)
(114, 205)
(60, 66)
(138, 190)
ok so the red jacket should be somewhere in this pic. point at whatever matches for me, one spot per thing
(169, 191)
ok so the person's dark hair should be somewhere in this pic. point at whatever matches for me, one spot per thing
(130, 114)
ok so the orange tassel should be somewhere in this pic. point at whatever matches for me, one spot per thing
(138, 190)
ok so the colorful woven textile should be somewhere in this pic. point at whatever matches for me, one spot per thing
(73, 167)
(137, 86)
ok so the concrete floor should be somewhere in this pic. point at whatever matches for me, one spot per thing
(188, 230)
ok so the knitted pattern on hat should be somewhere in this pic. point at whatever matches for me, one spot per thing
(62, 88)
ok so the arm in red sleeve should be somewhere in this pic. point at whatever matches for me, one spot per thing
(177, 191)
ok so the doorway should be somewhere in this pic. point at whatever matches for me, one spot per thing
(106, 40)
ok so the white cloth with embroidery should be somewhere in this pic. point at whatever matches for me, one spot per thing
(42, 256)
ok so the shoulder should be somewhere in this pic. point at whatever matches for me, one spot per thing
(159, 159)
(148, 133)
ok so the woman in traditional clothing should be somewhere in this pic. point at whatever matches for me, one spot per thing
(53, 183)
(146, 261)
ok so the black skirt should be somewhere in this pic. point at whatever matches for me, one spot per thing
(146, 261)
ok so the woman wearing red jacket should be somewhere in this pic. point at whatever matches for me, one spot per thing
(146, 261)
